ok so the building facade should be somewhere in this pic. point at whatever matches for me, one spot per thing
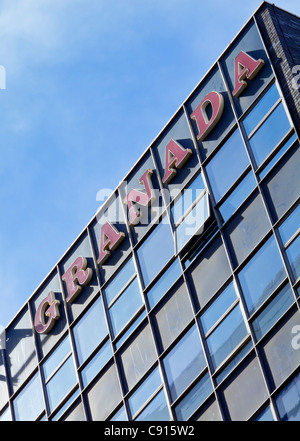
(180, 299)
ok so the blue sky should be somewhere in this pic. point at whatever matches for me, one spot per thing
(85, 78)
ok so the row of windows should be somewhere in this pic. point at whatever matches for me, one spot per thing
(194, 332)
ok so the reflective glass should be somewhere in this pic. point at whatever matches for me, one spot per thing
(120, 415)
(293, 253)
(290, 226)
(144, 392)
(96, 364)
(138, 357)
(281, 356)
(164, 283)
(90, 330)
(189, 195)
(184, 362)
(266, 415)
(129, 330)
(238, 196)
(6, 416)
(270, 134)
(261, 109)
(61, 383)
(234, 362)
(278, 155)
(105, 395)
(157, 409)
(156, 251)
(173, 316)
(115, 286)
(218, 308)
(29, 404)
(56, 357)
(3, 380)
(227, 165)
(246, 229)
(246, 392)
(194, 399)
(260, 277)
(273, 311)
(75, 414)
(288, 401)
(125, 306)
(226, 336)
(210, 271)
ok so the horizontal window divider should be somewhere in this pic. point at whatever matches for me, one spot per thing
(292, 239)
(157, 306)
(270, 111)
(64, 400)
(127, 326)
(148, 401)
(93, 353)
(192, 206)
(222, 318)
(118, 295)
(221, 143)
(70, 354)
(190, 387)
(234, 186)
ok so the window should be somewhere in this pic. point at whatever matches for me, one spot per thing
(190, 211)
(224, 326)
(96, 364)
(290, 234)
(138, 357)
(288, 401)
(227, 165)
(246, 229)
(237, 197)
(150, 392)
(164, 283)
(59, 373)
(90, 330)
(282, 187)
(261, 276)
(265, 415)
(105, 390)
(156, 251)
(117, 284)
(273, 311)
(184, 362)
(29, 403)
(286, 145)
(245, 393)
(173, 316)
(210, 271)
(281, 358)
(190, 403)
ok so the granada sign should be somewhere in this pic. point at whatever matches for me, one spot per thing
(79, 274)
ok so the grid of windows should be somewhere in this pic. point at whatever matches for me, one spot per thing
(189, 325)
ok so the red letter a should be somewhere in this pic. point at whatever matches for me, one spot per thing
(109, 241)
(176, 156)
(245, 68)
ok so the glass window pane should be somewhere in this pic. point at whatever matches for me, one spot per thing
(238, 196)
(283, 186)
(96, 364)
(189, 195)
(245, 393)
(290, 226)
(156, 251)
(194, 399)
(138, 357)
(125, 306)
(227, 165)
(211, 271)
(174, 315)
(56, 357)
(218, 308)
(75, 414)
(279, 353)
(6, 416)
(278, 155)
(288, 401)
(266, 415)
(144, 392)
(29, 404)
(261, 109)
(115, 286)
(293, 254)
(260, 277)
(90, 330)
(247, 229)
(157, 409)
(184, 362)
(20, 349)
(164, 283)
(226, 336)
(270, 134)
(210, 413)
(106, 390)
(61, 383)
(273, 311)
(120, 415)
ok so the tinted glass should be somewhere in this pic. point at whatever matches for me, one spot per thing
(291, 225)
(156, 251)
(184, 362)
(164, 283)
(90, 330)
(157, 409)
(115, 286)
(96, 364)
(147, 388)
(270, 134)
(30, 402)
(293, 253)
(262, 275)
(288, 401)
(227, 165)
(278, 155)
